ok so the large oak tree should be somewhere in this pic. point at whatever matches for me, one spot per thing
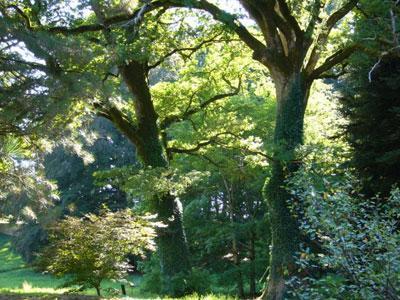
(105, 67)
(292, 46)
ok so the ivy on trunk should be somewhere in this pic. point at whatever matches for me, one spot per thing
(292, 55)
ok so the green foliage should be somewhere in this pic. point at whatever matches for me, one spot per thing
(70, 166)
(150, 183)
(370, 101)
(31, 237)
(371, 109)
(217, 152)
(17, 278)
(94, 248)
(197, 280)
(17, 172)
(72, 162)
(358, 256)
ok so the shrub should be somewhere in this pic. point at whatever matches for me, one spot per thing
(360, 241)
(94, 248)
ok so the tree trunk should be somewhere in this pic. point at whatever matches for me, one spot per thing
(171, 241)
(235, 249)
(292, 93)
(236, 260)
(123, 290)
(252, 257)
(98, 290)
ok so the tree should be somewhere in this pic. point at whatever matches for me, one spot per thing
(224, 212)
(359, 238)
(25, 191)
(70, 165)
(115, 59)
(95, 247)
(370, 100)
(292, 51)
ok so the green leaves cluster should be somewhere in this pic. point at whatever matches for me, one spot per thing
(150, 183)
(358, 255)
(91, 249)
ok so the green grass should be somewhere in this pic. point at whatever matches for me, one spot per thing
(8, 260)
(18, 279)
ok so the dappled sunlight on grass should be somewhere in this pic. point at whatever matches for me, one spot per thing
(28, 281)
(9, 260)
(18, 279)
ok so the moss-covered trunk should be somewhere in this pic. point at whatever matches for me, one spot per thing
(291, 92)
(171, 240)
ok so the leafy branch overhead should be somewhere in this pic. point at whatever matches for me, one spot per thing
(210, 114)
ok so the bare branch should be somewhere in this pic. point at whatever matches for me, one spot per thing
(375, 66)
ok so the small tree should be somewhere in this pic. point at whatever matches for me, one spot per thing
(94, 248)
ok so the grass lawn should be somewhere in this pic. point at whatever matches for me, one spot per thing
(20, 282)
(17, 278)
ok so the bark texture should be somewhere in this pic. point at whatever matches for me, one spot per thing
(171, 240)
(291, 96)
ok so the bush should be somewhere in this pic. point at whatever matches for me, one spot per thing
(360, 241)
(94, 248)
(30, 238)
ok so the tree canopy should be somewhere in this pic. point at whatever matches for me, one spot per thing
(212, 116)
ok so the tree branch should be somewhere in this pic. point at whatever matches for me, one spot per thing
(190, 150)
(340, 13)
(108, 21)
(314, 19)
(22, 14)
(33, 65)
(326, 30)
(284, 9)
(333, 60)
(177, 50)
(224, 17)
(119, 120)
(169, 120)
(199, 145)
